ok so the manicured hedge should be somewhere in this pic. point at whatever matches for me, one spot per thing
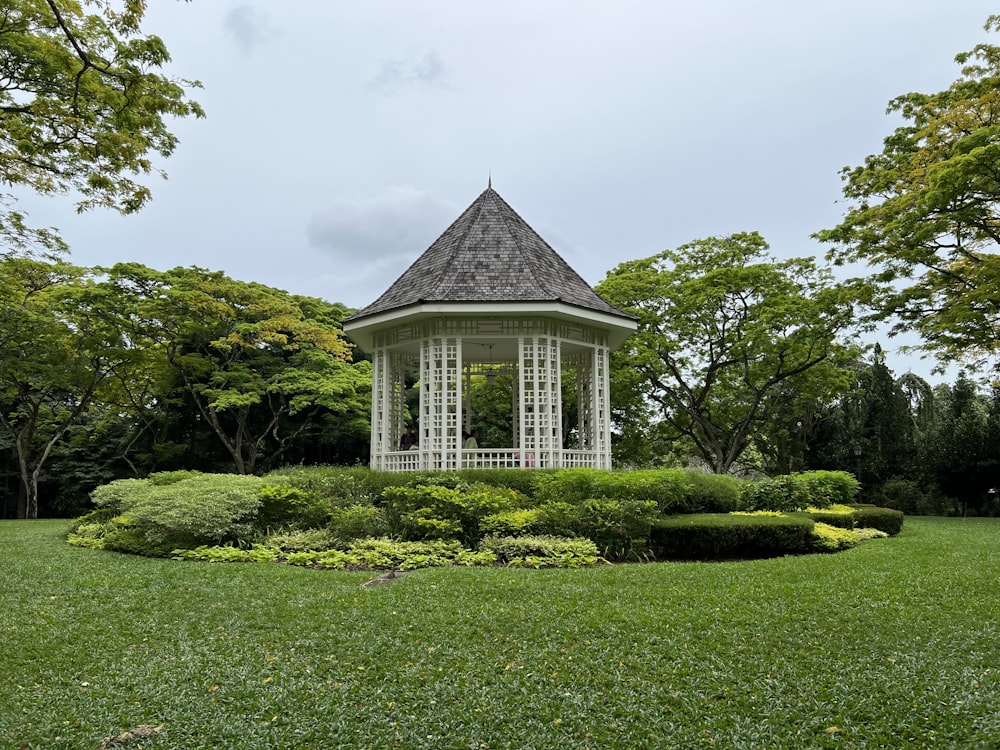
(673, 490)
(710, 536)
(884, 519)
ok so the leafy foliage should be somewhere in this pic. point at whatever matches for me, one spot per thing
(792, 492)
(924, 213)
(728, 336)
(541, 551)
(83, 107)
(829, 538)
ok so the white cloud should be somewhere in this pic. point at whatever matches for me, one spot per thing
(248, 27)
(394, 73)
(398, 222)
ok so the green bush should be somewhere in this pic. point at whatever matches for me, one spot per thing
(115, 496)
(841, 516)
(286, 505)
(791, 492)
(135, 541)
(884, 519)
(386, 554)
(517, 522)
(338, 486)
(439, 511)
(721, 536)
(163, 478)
(827, 538)
(202, 509)
(667, 488)
(619, 528)
(711, 493)
(302, 541)
(541, 551)
(829, 487)
(356, 522)
(783, 493)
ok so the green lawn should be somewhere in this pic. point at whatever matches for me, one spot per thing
(893, 644)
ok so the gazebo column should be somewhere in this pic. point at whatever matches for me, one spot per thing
(540, 413)
(388, 405)
(600, 419)
(441, 402)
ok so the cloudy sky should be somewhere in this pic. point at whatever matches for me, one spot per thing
(343, 137)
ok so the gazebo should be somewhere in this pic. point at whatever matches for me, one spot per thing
(490, 298)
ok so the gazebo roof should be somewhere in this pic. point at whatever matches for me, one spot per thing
(489, 255)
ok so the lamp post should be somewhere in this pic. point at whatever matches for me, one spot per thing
(857, 462)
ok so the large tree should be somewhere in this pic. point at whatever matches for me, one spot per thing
(58, 349)
(727, 336)
(926, 214)
(82, 108)
(252, 360)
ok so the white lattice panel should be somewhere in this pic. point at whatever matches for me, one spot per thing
(541, 398)
(440, 401)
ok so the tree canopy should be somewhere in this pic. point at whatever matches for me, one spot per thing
(82, 107)
(728, 337)
(926, 214)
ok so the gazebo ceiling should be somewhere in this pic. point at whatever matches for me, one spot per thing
(489, 262)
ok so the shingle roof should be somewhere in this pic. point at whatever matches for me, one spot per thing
(489, 254)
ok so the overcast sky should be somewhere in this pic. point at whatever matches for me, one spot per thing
(343, 137)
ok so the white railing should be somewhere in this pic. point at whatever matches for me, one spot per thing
(488, 458)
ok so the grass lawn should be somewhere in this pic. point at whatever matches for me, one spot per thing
(894, 644)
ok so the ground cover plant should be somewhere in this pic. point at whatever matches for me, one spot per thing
(890, 644)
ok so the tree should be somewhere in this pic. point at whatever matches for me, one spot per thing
(962, 448)
(57, 350)
(727, 334)
(872, 430)
(249, 357)
(82, 108)
(926, 214)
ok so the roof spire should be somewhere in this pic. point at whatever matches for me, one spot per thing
(489, 181)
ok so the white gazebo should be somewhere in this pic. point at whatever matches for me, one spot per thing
(490, 297)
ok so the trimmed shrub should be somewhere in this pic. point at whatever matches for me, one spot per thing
(116, 496)
(866, 534)
(513, 479)
(723, 536)
(437, 511)
(827, 538)
(783, 493)
(667, 488)
(205, 508)
(791, 492)
(711, 493)
(841, 516)
(829, 487)
(884, 519)
(516, 522)
(285, 505)
(302, 541)
(619, 528)
(338, 486)
(357, 522)
(541, 551)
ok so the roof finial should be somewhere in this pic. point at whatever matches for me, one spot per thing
(489, 181)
